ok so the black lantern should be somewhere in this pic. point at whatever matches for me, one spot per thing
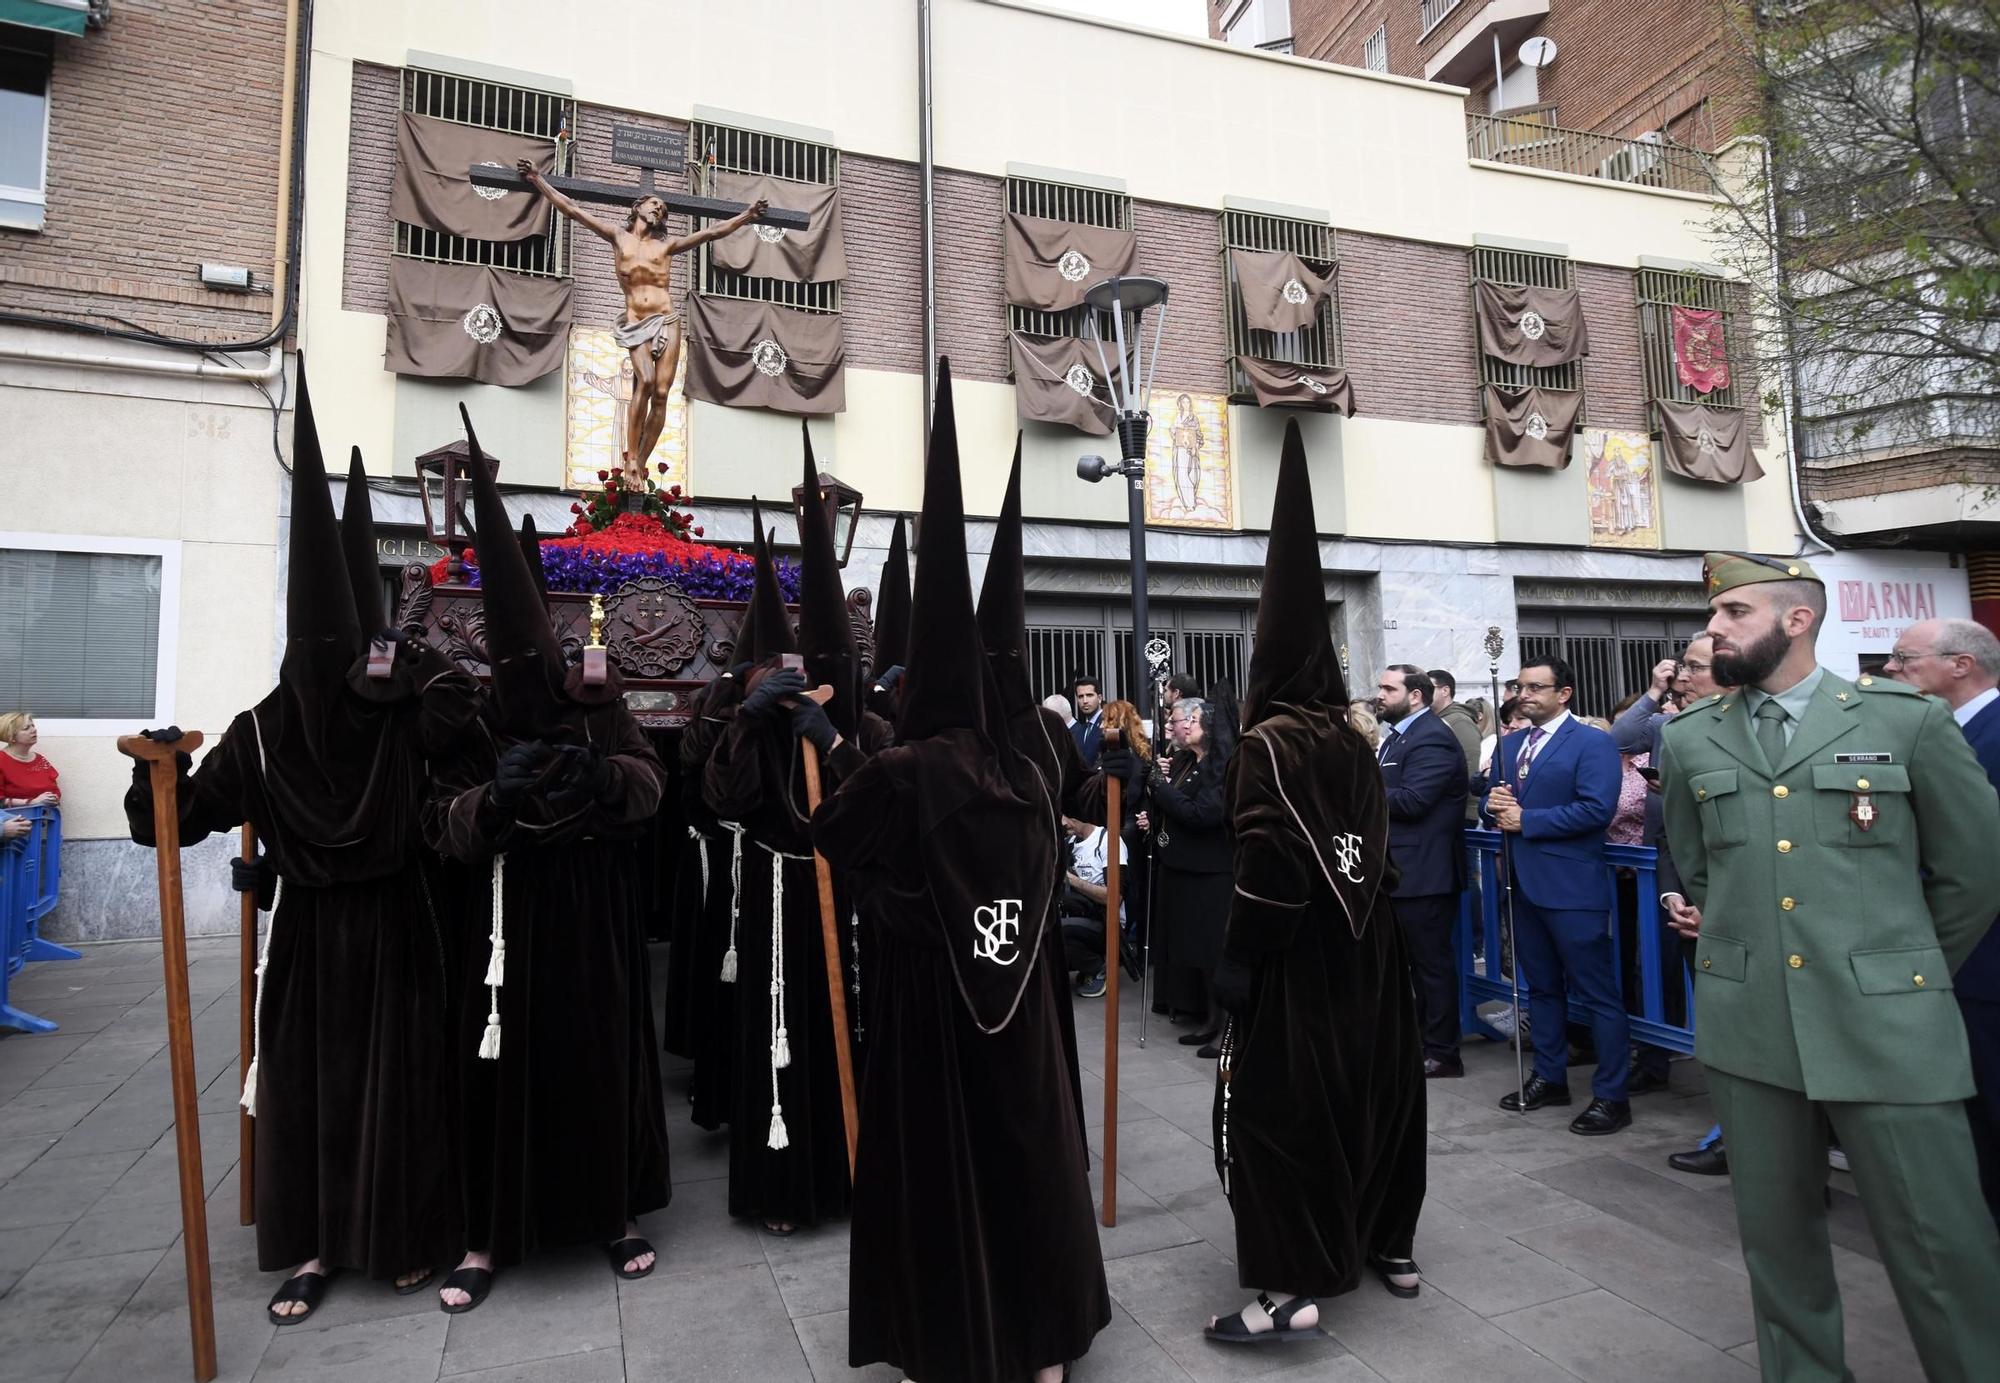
(445, 486)
(845, 503)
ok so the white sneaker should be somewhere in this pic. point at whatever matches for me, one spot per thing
(1836, 1158)
(1502, 1021)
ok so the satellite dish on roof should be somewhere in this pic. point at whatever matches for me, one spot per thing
(1538, 52)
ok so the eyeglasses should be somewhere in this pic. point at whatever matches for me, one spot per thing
(1899, 656)
(1690, 665)
(1538, 686)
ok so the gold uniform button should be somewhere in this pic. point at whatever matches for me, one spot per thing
(1861, 784)
(1868, 681)
(1707, 964)
(1784, 847)
(1917, 980)
(1788, 903)
(1781, 791)
(1796, 962)
(1701, 794)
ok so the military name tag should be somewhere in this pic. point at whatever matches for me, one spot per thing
(1862, 813)
(1876, 758)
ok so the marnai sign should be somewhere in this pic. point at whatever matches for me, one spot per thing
(1872, 598)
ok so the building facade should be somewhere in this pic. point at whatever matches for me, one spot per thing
(140, 396)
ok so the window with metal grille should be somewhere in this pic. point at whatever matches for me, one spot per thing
(1375, 52)
(1613, 656)
(1061, 201)
(1662, 290)
(1524, 268)
(1312, 241)
(1208, 640)
(729, 149)
(492, 106)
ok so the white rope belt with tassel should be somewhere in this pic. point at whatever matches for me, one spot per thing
(735, 830)
(781, 1044)
(496, 963)
(249, 1099)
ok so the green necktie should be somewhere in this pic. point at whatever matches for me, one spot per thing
(1771, 732)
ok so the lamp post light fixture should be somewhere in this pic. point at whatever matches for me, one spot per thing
(845, 502)
(444, 485)
(1123, 303)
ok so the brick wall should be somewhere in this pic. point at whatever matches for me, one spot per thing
(164, 152)
(1406, 318)
(1614, 377)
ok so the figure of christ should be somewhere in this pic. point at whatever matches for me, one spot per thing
(621, 391)
(651, 326)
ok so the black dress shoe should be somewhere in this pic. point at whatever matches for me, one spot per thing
(1711, 1161)
(1539, 1092)
(1442, 1070)
(1601, 1117)
(1199, 1039)
(1645, 1083)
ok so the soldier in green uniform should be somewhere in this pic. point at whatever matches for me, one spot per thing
(1840, 850)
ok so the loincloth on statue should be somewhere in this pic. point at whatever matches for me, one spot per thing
(628, 333)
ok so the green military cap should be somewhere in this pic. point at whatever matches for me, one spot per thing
(1723, 571)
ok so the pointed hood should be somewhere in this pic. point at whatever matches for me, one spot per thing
(945, 678)
(767, 602)
(319, 600)
(892, 606)
(357, 542)
(1003, 602)
(1293, 661)
(526, 661)
(826, 632)
(531, 553)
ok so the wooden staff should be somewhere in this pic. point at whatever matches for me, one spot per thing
(1113, 810)
(161, 765)
(829, 931)
(246, 1037)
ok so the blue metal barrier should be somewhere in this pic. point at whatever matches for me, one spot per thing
(1480, 913)
(30, 883)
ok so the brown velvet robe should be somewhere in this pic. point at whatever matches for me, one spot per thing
(565, 1134)
(1320, 1122)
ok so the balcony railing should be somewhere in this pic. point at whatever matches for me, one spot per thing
(1530, 138)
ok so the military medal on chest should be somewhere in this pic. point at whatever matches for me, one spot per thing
(1862, 812)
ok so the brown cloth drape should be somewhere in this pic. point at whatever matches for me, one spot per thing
(1049, 264)
(1531, 427)
(1530, 326)
(758, 355)
(815, 255)
(432, 189)
(1057, 379)
(1281, 292)
(1703, 443)
(1281, 384)
(472, 321)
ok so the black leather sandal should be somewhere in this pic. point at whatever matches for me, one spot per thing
(1388, 1269)
(474, 1282)
(305, 1287)
(624, 1251)
(413, 1288)
(1231, 1330)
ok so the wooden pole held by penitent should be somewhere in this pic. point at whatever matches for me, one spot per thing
(246, 1036)
(829, 929)
(1113, 812)
(160, 761)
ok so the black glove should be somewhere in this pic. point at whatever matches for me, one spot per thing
(889, 678)
(520, 765)
(254, 876)
(810, 722)
(166, 736)
(1120, 763)
(1232, 985)
(582, 776)
(776, 686)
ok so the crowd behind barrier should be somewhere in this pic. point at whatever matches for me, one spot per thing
(30, 882)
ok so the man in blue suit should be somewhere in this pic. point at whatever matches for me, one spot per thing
(1088, 727)
(1558, 789)
(1958, 661)
(1424, 779)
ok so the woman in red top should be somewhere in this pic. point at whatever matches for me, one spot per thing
(26, 778)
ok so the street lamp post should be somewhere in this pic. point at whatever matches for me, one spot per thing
(1129, 375)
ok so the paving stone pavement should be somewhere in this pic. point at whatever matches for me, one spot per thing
(1545, 1256)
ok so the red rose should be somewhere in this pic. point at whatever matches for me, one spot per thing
(576, 509)
(663, 468)
(604, 475)
(699, 532)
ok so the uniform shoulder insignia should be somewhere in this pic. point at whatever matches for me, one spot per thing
(1886, 684)
(1707, 706)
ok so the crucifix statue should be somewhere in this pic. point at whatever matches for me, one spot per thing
(651, 326)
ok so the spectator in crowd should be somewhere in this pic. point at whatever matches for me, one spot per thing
(1060, 705)
(14, 828)
(1458, 719)
(1084, 895)
(26, 778)
(1959, 661)
(1180, 687)
(1363, 722)
(1556, 795)
(1088, 727)
(1511, 721)
(1124, 717)
(1194, 852)
(1424, 778)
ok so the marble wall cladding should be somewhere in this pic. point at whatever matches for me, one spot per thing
(111, 890)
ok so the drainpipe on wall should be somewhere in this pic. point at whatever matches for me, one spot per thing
(927, 198)
(1788, 378)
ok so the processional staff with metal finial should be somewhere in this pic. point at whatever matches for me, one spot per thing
(1496, 644)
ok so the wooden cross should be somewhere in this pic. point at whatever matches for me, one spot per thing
(588, 190)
